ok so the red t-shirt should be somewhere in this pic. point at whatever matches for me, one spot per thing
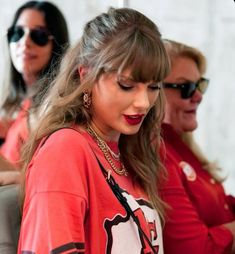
(16, 135)
(198, 204)
(70, 208)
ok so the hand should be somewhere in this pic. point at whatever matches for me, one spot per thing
(5, 165)
(10, 177)
(231, 227)
(4, 126)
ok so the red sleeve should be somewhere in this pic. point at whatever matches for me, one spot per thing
(53, 221)
(56, 197)
(184, 232)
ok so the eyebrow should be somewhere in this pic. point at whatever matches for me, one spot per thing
(126, 78)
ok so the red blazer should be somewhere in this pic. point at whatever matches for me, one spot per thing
(198, 204)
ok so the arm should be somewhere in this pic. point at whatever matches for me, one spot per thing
(184, 231)
(10, 177)
(56, 198)
(11, 148)
(231, 227)
(6, 165)
(4, 126)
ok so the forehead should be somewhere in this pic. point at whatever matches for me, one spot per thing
(183, 68)
(31, 18)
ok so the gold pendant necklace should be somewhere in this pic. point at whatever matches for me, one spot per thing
(106, 151)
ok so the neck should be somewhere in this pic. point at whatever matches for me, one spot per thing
(109, 135)
(108, 153)
(29, 79)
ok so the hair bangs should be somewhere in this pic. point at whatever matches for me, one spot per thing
(147, 58)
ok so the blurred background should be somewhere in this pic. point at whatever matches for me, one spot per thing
(206, 24)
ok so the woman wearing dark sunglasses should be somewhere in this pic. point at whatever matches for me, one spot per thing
(37, 38)
(201, 217)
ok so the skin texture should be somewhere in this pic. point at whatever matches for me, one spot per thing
(182, 113)
(116, 104)
(29, 58)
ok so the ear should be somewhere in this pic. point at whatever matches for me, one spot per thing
(82, 71)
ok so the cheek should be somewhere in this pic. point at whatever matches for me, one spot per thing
(174, 107)
(45, 55)
(109, 95)
(153, 98)
(173, 100)
(12, 50)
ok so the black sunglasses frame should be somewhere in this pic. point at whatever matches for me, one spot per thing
(189, 88)
(40, 36)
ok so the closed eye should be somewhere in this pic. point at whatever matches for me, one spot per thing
(124, 87)
(154, 87)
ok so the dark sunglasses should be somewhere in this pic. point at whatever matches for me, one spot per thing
(39, 36)
(189, 88)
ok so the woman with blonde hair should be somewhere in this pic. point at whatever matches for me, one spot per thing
(201, 217)
(91, 160)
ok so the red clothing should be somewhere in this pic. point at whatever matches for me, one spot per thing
(199, 205)
(16, 135)
(69, 207)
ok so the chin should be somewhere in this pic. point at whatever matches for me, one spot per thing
(191, 127)
(130, 131)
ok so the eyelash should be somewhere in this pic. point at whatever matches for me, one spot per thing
(155, 87)
(127, 88)
(123, 87)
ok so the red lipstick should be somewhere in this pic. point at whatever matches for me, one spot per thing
(134, 119)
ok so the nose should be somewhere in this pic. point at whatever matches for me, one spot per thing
(26, 39)
(197, 96)
(141, 99)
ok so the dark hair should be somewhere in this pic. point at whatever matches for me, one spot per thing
(56, 24)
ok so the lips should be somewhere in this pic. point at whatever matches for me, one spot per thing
(27, 55)
(134, 119)
(193, 111)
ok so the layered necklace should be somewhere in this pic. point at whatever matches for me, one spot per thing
(108, 153)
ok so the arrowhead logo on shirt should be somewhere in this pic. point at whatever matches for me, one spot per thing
(188, 171)
(121, 238)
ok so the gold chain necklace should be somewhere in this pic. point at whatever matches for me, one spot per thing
(106, 151)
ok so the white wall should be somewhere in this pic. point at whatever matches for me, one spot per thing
(206, 24)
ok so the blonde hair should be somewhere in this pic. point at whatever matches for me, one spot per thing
(115, 41)
(211, 167)
(177, 49)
